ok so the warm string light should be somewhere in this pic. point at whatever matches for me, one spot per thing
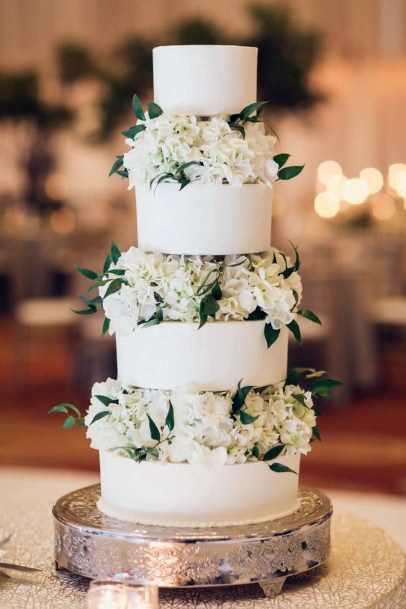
(336, 192)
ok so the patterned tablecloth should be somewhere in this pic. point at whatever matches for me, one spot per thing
(366, 569)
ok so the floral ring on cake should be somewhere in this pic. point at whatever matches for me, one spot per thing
(138, 288)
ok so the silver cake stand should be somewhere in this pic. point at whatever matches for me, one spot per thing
(93, 545)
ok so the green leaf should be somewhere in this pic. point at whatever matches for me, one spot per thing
(296, 265)
(65, 407)
(233, 118)
(250, 109)
(216, 291)
(115, 286)
(210, 305)
(299, 397)
(280, 469)
(60, 408)
(183, 183)
(287, 173)
(155, 319)
(271, 335)
(137, 108)
(255, 451)
(88, 311)
(296, 374)
(295, 329)
(256, 315)
(316, 432)
(86, 272)
(323, 387)
(240, 396)
(296, 297)
(246, 418)
(107, 263)
(133, 131)
(274, 452)
(114, 252)
(307, 314)
(281, 159)
(152, 451)
(116, 165)
(69, 422)
(153, 429)
(184, 166)
(117, 271)
(105, 400)
(123, 173)
(154, 110)
(239, 128)
(106, 326)
(170, 418)
(100, 415)
(91, 302)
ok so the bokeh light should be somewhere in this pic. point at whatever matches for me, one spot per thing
(401, 183)
(56, 187)
(355, 191)
(335, 185)
(394, 170)
(326, 204)
(63, 221)
(327, 171)
(383, 206)
(372, 178)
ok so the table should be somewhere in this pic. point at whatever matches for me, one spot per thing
(27, 496)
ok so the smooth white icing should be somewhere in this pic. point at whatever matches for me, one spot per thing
(216, 219)
(180, 494)
(215, 358)
(205, 79)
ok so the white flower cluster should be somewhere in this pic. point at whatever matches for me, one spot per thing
(171, 284)
(221, 154)
(204, 430)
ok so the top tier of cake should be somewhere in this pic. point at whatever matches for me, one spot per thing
(205, 79)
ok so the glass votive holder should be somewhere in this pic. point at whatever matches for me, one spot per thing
(141, 596)
(106, 594)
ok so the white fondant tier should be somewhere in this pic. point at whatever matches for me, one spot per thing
(205, 79)
(181, 494)
(216, 219)
(215, 358)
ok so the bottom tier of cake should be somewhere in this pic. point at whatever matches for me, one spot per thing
(185, 495)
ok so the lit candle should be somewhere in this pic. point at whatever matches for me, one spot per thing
(106, 595)
(141, 596)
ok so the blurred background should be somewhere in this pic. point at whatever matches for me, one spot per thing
(335, 75)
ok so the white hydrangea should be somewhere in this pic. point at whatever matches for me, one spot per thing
(222, 153)
(204, 429)
(171, 284)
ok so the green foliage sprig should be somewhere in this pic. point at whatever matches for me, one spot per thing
(272, 334)
(114, 284)
(153, 112)
(249, 114)
(313, 380)
(73, 415)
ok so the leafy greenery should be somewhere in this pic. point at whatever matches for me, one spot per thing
(71, 420)
(279, 468)
(114, 284)
(313, 381)
(240, 396)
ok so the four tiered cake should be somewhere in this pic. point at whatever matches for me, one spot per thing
(203, 426)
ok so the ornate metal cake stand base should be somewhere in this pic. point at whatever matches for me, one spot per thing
(91, 544)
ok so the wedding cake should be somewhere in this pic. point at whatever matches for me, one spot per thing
(203, 425)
